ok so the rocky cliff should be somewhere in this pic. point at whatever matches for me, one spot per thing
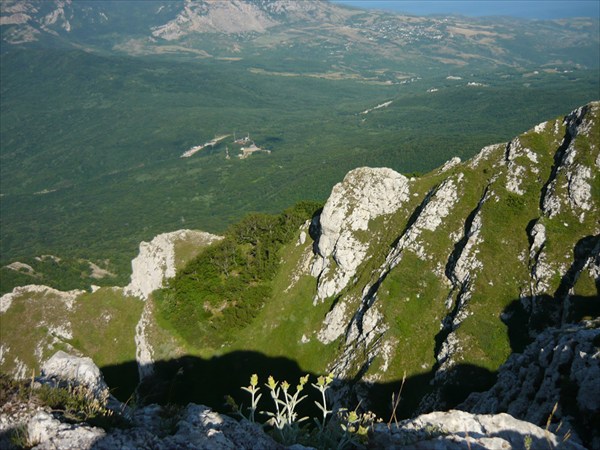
(156, 261)
(82, 322)
(460, 251)
(557, 375)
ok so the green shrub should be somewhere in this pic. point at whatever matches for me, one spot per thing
(19, 437)
(227, 284)
(76, 403)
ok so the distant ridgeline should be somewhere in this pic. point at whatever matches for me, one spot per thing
(437, 279)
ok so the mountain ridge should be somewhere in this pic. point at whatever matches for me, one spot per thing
(440, 277)
(206, 28)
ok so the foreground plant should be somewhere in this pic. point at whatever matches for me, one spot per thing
(76, 403)
(334, 429)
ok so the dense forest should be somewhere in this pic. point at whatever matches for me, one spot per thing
(106, 134)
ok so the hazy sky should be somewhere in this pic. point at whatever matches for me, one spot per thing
(531, 9)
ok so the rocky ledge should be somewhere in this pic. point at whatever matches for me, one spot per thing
(198, 427)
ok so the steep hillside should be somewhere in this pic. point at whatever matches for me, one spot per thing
(471, 252)
(437, 279)
(443, 276)
(111, 324)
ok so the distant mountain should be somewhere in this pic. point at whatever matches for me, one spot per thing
(339, 34)
(438, 279)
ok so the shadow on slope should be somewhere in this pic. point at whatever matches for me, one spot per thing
(207, 381)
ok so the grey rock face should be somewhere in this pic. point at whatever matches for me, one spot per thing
(201, 427)
(194, 427)
(47, 432)
(156, 261)
(566, 173)
(364, 194)
(82, 371)
(461, 430)
(562, 366)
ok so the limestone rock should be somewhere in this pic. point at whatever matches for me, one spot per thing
(194, 427)
(156, 260)
(514, 155)
(362, 196)
(568, 172)
(453, 162)
(49, 433)
(82, 371)
(462, 430)
(436, 206)
(485, 153)
(200, 427)
(367, 324)
(335, 323)
(561, 366)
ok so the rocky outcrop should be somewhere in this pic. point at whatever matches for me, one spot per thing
(191, 427)
(568, 172)
(35, 322)
(364, 333)
(195, 427)
(561, 367)
(460, 430)
(364, 195)
(156, 260)
(519, 167)
(198, 427)
(461, 270)
(67, 297)
(524, 208)
(44, 431)
(74, 369)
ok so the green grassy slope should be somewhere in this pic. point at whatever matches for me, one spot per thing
(99, 324)
(417, 294)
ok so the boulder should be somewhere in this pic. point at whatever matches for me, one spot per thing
(461, 430)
